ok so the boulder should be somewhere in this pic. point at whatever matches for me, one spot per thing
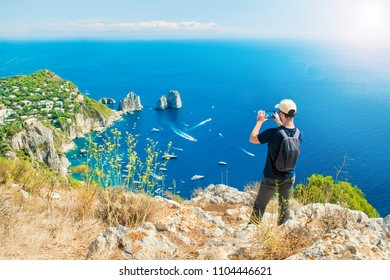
(220, 194)
(138, 244)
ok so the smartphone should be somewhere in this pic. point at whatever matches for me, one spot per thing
(269, 114)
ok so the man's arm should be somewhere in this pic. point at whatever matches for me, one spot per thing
(253, 138)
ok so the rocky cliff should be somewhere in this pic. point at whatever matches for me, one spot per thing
(45, 98)
(38, 142)
(130, 103)
(84, 123)
(214, 225)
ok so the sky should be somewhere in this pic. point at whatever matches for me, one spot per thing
(354, 21)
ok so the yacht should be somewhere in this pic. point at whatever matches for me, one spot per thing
(169, 156)
(197, 177)
(222, 163)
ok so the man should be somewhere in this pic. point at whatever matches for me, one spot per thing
(273, 177)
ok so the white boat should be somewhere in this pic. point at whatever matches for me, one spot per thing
(169, 156)
(155, 176)
(163, 169)
(197, 177)
(155, 129)
(222, 163)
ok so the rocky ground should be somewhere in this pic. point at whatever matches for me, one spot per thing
(214, 225)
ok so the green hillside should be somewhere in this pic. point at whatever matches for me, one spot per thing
(45, 96)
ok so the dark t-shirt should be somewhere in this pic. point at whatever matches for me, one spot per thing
(274, 138)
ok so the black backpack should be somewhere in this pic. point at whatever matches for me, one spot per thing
(288, 152)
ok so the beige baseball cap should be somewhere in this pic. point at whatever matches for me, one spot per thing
(287, 106)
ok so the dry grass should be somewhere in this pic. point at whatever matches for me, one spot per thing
(35, 228)
(43, 227)
(118, 207)
(278, 243)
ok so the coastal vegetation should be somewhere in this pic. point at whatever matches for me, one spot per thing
(104, 172)
(323, 189)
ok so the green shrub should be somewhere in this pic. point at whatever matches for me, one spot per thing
(320, 189)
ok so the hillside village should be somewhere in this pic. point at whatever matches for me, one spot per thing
(41, 95)
(48, 98)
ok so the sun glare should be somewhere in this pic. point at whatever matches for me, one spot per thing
(371, 19)
(368, 24)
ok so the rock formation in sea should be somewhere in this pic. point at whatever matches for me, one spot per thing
(107, 100)
(173, 101)
(130, 103)
(162, 103)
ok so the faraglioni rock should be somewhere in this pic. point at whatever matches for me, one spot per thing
(130, 103)
(174, 100)
(107, 100)
(162, 103)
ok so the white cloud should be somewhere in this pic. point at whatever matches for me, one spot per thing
(94, 26)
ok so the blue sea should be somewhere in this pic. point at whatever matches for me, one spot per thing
(342, 94)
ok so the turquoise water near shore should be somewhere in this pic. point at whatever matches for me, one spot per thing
(343, 100)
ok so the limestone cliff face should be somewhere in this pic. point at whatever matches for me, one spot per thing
(130, 103)
(38, 141)
(85, 124)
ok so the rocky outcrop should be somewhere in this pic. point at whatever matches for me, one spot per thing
(106, 100)
(130, 103)
(84, 124)
(38, 141)
(162, 103)
(345, 233)
(140, 244)
(214, 225)
(4, 113)
(219, 194)
(173, 101)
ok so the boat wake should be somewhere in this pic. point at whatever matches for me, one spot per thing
(199, 124)
(181, 133)
(245, 151)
